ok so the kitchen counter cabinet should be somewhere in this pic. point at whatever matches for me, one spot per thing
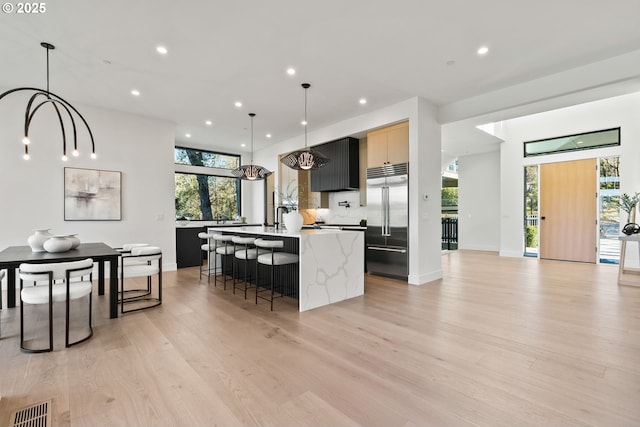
(188, 246)
(331, 263)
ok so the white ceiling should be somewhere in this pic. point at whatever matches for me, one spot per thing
(224, 51)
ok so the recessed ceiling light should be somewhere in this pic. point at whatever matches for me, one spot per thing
(303, 123)
(362, 101)
(208, 123)
(268, 135)
(238, 104)
(135, 92)
(243, 145)
(162, 50)
(291, 71)
(483, 50)
(188, 135)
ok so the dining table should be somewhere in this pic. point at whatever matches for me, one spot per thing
(13, 256)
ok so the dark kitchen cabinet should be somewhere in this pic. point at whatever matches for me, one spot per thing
(188, 246)
(342, 171)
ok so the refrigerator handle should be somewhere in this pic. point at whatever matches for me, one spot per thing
(385, 217)
(382, 211)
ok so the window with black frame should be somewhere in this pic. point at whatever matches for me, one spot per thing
(575, 142)
(205, 190)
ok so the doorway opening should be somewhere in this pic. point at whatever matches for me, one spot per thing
(449, 213)
(608, 210)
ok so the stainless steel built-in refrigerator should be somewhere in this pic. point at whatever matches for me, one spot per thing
(388, 220)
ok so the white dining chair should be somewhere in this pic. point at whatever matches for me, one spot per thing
(55, 282)
(141, 261)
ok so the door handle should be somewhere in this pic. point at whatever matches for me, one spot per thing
(543, 217)
(377, 248)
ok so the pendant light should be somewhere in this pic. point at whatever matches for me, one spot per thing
(306, 158)
(58, 103)
(251, 172)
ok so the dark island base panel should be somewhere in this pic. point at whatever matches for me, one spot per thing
(188, 244)
(286, 276)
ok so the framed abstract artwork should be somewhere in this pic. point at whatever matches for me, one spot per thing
(92, 195)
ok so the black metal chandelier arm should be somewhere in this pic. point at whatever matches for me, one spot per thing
(61, 101)
(30, 113)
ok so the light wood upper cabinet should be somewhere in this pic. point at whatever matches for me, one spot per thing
(388, 145)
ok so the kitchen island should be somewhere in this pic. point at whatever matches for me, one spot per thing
(331, 262)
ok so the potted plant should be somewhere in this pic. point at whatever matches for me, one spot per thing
(628, 204)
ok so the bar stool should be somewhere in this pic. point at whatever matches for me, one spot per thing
(225, 248)
(207, 248)
(247, 252)
(273, 259)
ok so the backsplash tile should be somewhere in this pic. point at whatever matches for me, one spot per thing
(337, 214)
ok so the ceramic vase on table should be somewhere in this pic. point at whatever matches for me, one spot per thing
(292, 221)
(75, 240)
(57, 244)
(37, 239)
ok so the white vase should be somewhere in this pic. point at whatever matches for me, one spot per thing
(37, 239)
(75, 240)
(292, 221)
(57, 244)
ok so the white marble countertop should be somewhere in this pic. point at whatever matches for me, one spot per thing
(272, 231)
(213, 224)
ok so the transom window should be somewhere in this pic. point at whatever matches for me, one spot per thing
(576, 142)
(209, 159)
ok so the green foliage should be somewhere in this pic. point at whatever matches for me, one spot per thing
(629, 203)
(449, 196)
(222, 194)
(532, 236)
(531, 190)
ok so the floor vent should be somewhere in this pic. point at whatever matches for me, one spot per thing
(37, 415)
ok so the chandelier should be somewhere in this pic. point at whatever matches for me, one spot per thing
(306, 158)
(251, 172)
(63, 110)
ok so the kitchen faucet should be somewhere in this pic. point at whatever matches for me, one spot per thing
(286, 210)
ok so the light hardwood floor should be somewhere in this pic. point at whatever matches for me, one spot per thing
(497, 342)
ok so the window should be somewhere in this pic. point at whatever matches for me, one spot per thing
(609, 210)
(580, 141)
(205, 190)
(531, 210)
(209, 159)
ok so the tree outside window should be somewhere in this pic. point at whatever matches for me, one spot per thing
(204, 196)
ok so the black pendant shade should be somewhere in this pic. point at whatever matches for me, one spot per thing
(306, 158)
(63, 109)
(251, 172)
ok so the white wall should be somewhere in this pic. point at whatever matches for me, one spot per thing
(32, 191)
(479, 202)
(424, 175)
(622, 111)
